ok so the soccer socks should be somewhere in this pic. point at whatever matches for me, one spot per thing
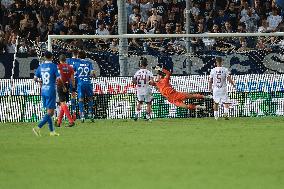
(60, 116)
(43, 121)
(81, 108)
(50, 124)
(64, 107)
(90, 107)
(226, 112)
(148, 115)
(46, 119)
(216, 115)
(73, 105)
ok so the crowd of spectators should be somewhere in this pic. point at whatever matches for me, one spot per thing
(34, 20)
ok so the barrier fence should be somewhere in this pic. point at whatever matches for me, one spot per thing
(256, 95)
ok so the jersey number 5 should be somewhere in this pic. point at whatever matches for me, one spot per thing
(219, 80)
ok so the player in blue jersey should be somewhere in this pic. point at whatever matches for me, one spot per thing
(84, 73)
(47, 74)
(72, 61)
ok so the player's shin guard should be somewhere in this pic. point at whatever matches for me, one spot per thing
(50, 124)
(90, 107)
(226, 112)
(148, 115)
(43, 121)
(73, 105)
(60, 117)
(81, 108)
(216, 115)
(64, 107)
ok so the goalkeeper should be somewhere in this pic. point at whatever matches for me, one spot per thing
(162, 82)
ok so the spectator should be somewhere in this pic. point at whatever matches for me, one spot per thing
(232, 12)
(274, 20)
(161, 8)
(145, 8)
(135, 16)
(221, 18)
(93, 9)
(110, 9)
(154, 20)
(264, 26)
(175, 8)
(46, 11)
(208, 13)
(250, 19)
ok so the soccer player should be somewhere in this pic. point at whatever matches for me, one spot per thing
(72, 61)
(218, 85)
(84, 72)
(67, 77)
(141, 79)
(162, 82)
(48, 75)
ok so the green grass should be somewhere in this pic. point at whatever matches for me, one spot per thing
(165, 153)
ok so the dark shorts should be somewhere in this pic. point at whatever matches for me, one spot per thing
(63, 96)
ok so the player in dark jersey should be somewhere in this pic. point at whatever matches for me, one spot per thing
(67, 77)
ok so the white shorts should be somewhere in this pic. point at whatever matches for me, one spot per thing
(145, 98)
(221, 97)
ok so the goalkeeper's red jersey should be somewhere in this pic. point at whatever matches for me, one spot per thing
(66, 71)
(164, 85)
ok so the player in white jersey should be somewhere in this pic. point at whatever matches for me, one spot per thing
(144, 91)
(219, 76)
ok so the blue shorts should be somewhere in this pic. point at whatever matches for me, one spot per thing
(49, 102)
(85, 91)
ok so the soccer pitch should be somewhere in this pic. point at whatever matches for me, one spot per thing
(198, 153)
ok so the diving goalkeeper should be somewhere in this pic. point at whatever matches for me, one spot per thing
(162, 82)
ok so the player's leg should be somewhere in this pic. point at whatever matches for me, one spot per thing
(43, 121)
(148, 101)
(225, 101)
(60, 99)
(63, 100)
(51, 105)
(90, 95)
(73, 106)
(196, 96)
(217, 98)
(140, 100)
(81, 102)
(215, 108)
(226, 111)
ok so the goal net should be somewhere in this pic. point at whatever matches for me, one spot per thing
(254, 60)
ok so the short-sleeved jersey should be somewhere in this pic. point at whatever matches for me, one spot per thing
(164, 85)
(66, 71)
(72, 61)
(83, 72)
(142, 77)
(48, 73)
(219, 76)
